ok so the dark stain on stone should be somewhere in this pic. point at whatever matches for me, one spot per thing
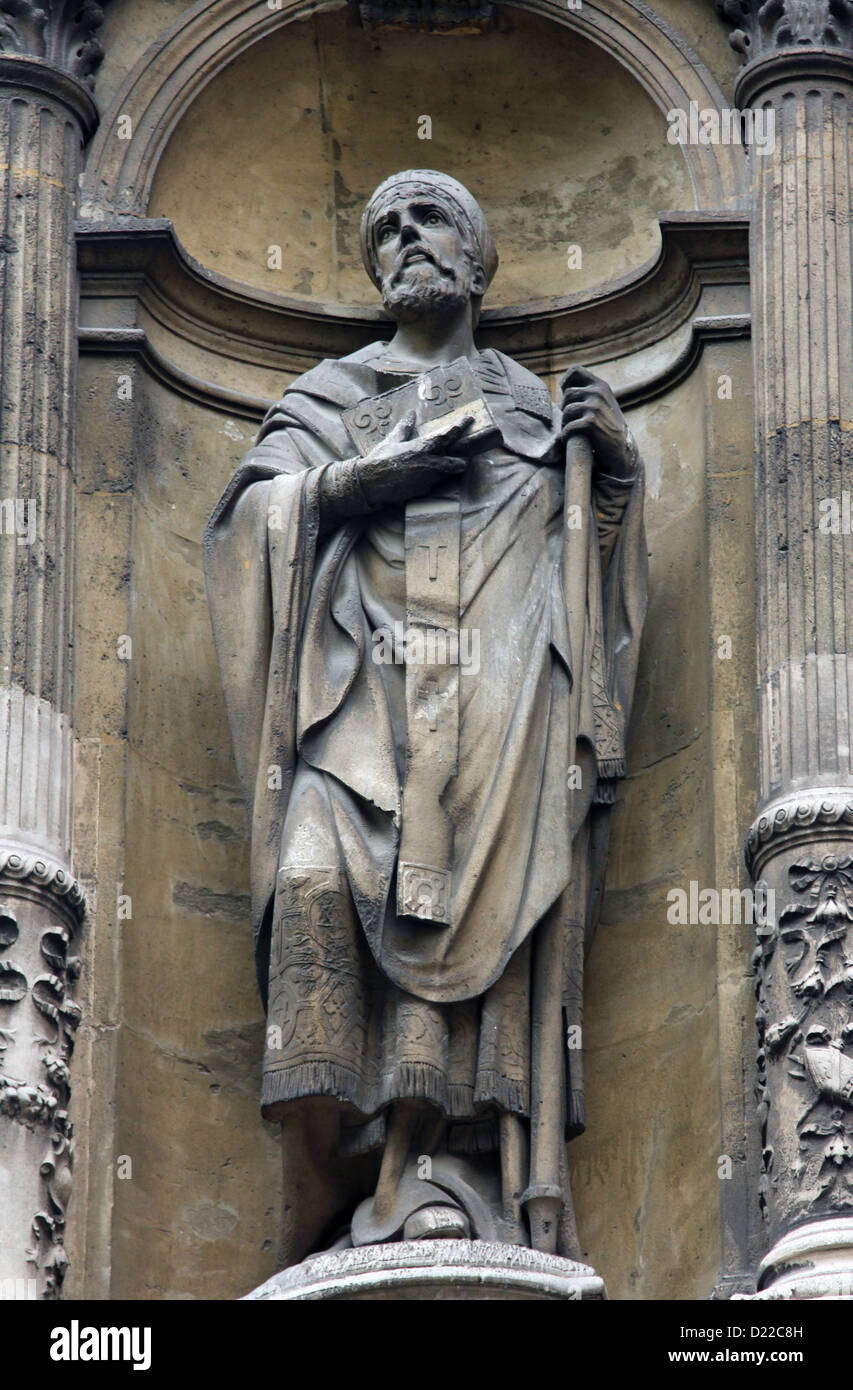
(218, 830)
(303, 283)
(196, 898)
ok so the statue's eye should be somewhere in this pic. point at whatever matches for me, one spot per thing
(433, 219)
(384, 231)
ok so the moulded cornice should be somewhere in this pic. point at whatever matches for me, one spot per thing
(287, 335)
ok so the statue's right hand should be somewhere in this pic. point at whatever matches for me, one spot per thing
(403, 465)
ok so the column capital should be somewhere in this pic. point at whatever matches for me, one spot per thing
(784, 39)
(769, 26)
(60, 32)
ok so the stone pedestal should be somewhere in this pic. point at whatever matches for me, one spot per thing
(435, 1269)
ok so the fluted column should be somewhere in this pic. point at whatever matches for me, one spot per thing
(799, 73)
(47, 55)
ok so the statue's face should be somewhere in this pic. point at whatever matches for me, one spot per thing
(424, 266)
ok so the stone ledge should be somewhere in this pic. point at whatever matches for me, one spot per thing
(438, 1269)
(183, 301)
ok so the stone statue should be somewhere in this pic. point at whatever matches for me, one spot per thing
(427, 585)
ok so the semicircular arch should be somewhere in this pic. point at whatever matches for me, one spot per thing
(213, 33)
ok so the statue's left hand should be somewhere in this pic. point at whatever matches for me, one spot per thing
(590, 407)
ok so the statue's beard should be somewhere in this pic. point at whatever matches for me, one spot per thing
(423, 289)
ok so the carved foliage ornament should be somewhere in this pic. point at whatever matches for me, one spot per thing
(42, 1105)
(764, 26)
(813, 1038)
(60, 31)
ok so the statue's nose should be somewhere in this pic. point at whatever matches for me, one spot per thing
(408, 232)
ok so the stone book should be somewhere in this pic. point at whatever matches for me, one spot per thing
(439, 398)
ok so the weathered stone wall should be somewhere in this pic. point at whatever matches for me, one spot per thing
(669, 1008)
(562, 146)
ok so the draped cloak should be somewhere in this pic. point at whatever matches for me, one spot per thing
(364, 1004)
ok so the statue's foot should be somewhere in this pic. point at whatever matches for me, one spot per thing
(437, 1223)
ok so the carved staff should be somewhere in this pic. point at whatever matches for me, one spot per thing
(576, 559)
(546, 1193)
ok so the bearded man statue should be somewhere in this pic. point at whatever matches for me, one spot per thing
(429, 735)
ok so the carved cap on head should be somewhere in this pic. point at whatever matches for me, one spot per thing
(462, 206)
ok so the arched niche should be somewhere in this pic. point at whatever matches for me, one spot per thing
(266, 174)
(593, 164)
